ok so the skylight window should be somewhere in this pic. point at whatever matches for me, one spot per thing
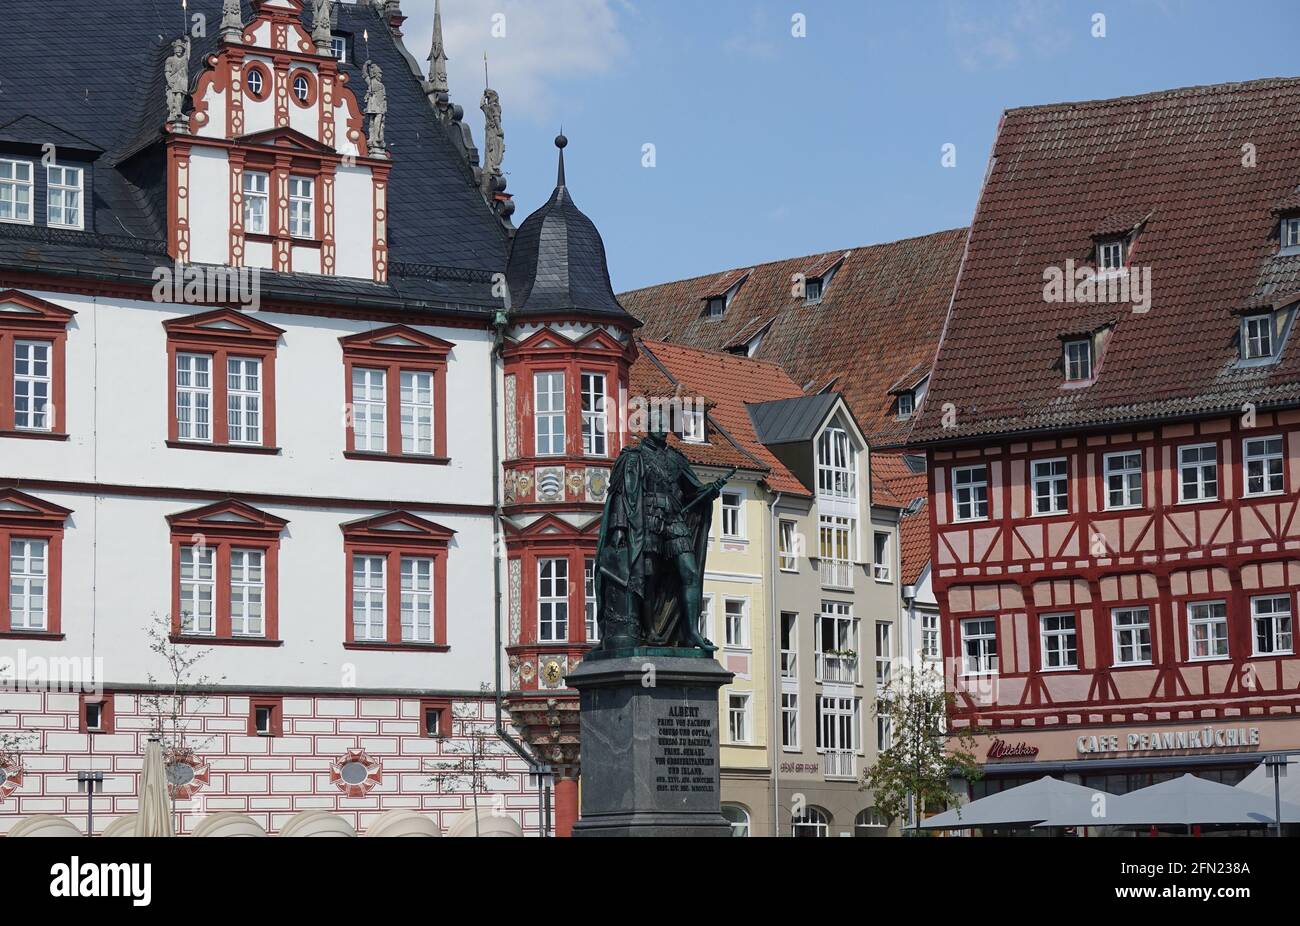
(1078, 360)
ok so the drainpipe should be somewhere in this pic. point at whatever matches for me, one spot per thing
(909, 601)
(498, 340)
(775, 718)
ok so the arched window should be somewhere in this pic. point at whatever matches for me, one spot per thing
(738, 817)
(870, 822)
(814, 822)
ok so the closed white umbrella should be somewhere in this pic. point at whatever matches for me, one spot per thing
(1039, 800)
(1184, 801)
(155, 814)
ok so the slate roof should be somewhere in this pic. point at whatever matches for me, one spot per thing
(727, 383)
(93, 70)
(557, 261)
(1059, 174)
(879, 319)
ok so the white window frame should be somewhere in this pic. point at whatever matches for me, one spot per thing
(905, 405)
(1056, 483)
(971, 489)
(787, 529)
(884, 653)
(256, 85)
(705, 625)
(1206, 614)
(13, 185)
(29, 581)
(930, 635)
(595, 425)
(837, 545)
(693, 427)
(39, 414)
(1079, 362)
(1274, 618)
(339, 48)
(838, 734)
(716, 306)
(244, 400)
(789, 654)
(739, 717)
(881, 555)
(1200, 484)
(197, 589)
(416, 598)
(551, 411)
(306, 85)
(845, 632)
(1134, 631)
(735, 622)
(247, 592)
(370, 409)
(302, 208)
(553, 599)
(837, 462)
(256, 188)
(589, 599)
(193, 397)
(415, 394)
(814, 290)
(790, 738)
(1111, 255)
(981, 631)
(74, 191)
(1271, 465)
(1258, 337)
(1120, 466)
(732, 522)
(1052, 630)
(370, 591)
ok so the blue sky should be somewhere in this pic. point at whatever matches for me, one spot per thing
(771, 146)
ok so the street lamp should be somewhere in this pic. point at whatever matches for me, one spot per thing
(86, 781)
(1275, 768)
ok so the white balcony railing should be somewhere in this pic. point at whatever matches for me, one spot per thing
(837, 573)
(836, 668)
(839, 763)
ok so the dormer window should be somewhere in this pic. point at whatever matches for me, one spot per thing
(812, 291)
(64, 197)
(1290, 232)
(1078, 360)
(1257, 337)
(339, 48)
(1110, 254)
(717, 306)
(16, 192)
(692, 425)
(906, 405)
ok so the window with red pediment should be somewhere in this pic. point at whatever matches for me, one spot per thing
(221, 382)
(225, 574)
(557, 582)
(396, 395)
(396, 591)
(31, 567)
(33, 370)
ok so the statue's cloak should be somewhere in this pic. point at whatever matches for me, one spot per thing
(621, 600)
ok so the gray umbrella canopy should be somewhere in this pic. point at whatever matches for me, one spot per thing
(1186, 800)
(1043, 799)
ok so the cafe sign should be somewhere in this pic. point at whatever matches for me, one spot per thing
(1001, 749)
(1197, 738)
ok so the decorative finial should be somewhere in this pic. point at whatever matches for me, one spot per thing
(437, 57)
(561, 142)
(321, 26)
(232, 20)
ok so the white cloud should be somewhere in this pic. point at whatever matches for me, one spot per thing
(544, 43)
(999, 35)
(756, 40)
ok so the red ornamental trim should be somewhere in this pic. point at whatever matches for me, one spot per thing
(13, 769)
(374, 774)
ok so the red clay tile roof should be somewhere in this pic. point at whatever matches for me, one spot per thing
(1060, 172)
(727, 383)
(879, 318)
(904, 488)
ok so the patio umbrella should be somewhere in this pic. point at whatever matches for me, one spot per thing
(155, 814)
(1039, 800)
(1185, 801)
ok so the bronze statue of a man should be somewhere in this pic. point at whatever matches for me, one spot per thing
(650, 560)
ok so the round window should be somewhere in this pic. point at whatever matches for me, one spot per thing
(354, 773)
(255, 83)
(179, 774)
(302, 88)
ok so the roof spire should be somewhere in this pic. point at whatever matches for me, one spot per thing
(437, 55)
(561, 142)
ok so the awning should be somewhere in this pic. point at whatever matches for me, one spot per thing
(1039, 800)
(1186, 800)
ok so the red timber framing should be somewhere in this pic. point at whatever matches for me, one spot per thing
(223, 335)
(394, 350)
(392, 537)
(216, 531)
(546, 351)
(1160, 553)
(26, 518)
(26, 318)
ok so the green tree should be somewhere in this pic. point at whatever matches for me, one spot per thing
(912, 776)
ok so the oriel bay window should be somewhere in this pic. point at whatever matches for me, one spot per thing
(31, 543)
(594, 425)
(396, 389)
(221, 382)
(396, 582)
(33, 336)
(548, 413)
(225, 567)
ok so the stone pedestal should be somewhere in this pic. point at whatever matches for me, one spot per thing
(650, 764)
